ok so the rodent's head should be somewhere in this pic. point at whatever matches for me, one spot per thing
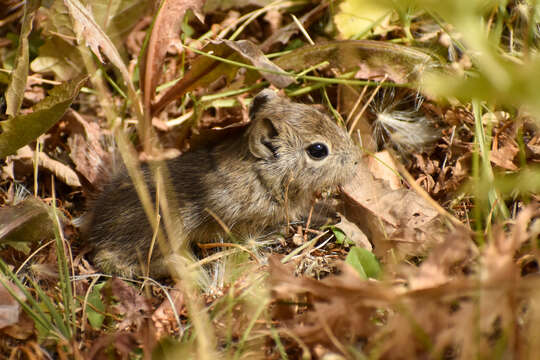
(299, 150)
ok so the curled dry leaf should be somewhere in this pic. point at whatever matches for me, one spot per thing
(342, 302)
(86, 28)
(393, 219)
(61, 171)
(86, 151)
(504, 155)
(445, 260)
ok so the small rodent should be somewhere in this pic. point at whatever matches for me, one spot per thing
(253, 182)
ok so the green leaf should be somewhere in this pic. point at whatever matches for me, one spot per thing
(341, 237)
(96, 317)
(207, 68)
(117, 17)
(15, 91)
(21, 130)
(364, 262)
(60, 57)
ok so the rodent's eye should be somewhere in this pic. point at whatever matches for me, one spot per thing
(317, 151)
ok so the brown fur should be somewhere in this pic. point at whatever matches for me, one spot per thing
(243, 181)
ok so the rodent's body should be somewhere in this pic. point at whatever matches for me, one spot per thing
(250, 183)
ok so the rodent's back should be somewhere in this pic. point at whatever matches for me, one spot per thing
(119, 230)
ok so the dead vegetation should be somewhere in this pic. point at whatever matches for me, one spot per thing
(435, 254)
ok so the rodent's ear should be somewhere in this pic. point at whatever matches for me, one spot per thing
(260, 100)
(261, 134)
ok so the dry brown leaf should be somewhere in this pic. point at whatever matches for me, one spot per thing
(456, 286)
(85, 146)
(342, 302)
(60, 170)
(123, 341)
(383, 167)
(354, 233)
(504, 155)
(23, 329)
(87, 29)
(394, 219)
(439, 268)
(132, 306)
(163, 317)
(374, 59)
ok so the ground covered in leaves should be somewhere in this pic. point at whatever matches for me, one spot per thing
(433, 252)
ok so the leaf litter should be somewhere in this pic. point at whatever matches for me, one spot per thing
(407, 280)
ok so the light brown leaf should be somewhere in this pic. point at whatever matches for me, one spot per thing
(400, 63)
(382, 167)
(354, 233)
(504, 156)
(132, 305)
(163, 317)
(60, 170)
(395, 219)
(86, 150)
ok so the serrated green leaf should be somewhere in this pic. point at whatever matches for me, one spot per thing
(364, 262)
(21, 130)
